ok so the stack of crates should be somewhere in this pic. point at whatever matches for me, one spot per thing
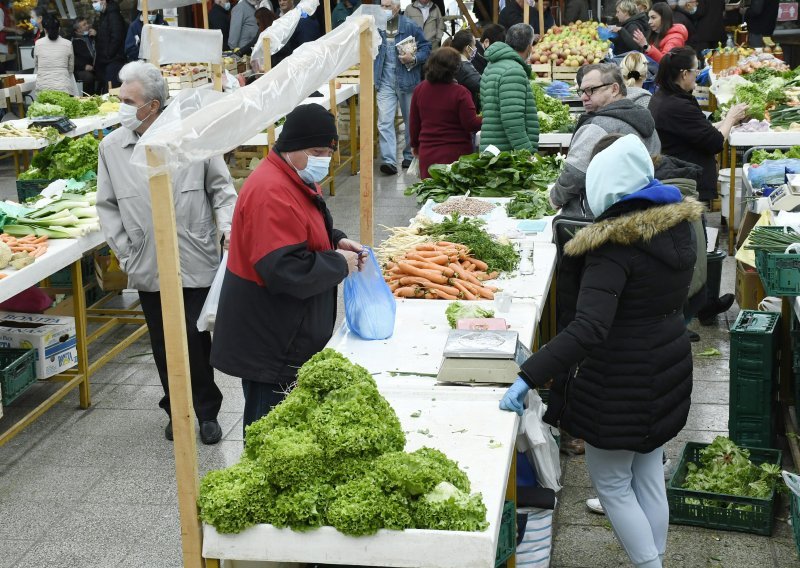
(754, 378)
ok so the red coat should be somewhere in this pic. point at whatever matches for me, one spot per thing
(676, 36)
(443, 119)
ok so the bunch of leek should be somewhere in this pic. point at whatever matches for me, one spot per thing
(70, 217)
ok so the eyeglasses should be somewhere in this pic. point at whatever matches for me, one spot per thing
(696, 70)
(589, 91)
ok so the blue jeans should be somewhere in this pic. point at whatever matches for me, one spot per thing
(388, 99)
(259, 399)
(631, 489)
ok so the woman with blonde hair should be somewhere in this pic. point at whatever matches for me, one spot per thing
(634, 72)
(630, 19)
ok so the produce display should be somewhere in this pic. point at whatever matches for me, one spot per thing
(771, 92)
(726, 468)
(182, 70)
(771, 240)
(554, 116)
(71, 216)
(486, 175)
(457, 311)
(530, 205)
(572, 45)
(754, 63)
(19, 253)
(332, 454)
(759, 156)
(466, 206)
(69, 158)
(8, 130)
(57, 103)
(443, 270)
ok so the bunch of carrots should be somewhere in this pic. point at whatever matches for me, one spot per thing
(441, 270)
(33, 245)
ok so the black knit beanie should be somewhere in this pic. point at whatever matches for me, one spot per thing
(308, 126)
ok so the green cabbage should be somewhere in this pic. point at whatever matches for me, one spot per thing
(457, 311)
(448, 508)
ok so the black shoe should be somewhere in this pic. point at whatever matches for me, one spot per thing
(168, 431)
(406, 163)
(389, 169)
(708, 313)
(210, 432)
(693, 337)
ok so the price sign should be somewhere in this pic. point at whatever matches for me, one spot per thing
(787, 11)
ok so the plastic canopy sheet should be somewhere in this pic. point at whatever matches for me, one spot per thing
(281, 30)
(469, 427)
(162, 4)
(180, 45)
(421, 328)
(200, 124)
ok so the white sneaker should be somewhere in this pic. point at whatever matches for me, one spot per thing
(668, 471)
(594, 506)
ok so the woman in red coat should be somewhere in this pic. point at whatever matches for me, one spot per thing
(665, 36)
(443, 116)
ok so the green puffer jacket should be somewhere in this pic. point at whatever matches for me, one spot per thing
(509, 110)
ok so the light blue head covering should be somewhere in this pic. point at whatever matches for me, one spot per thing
(623, 168)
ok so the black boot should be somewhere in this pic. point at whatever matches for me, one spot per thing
(708, 313)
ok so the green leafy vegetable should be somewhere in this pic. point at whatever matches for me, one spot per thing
(553, 115)
(470, 232)
(71, 107)
(759, 156)
(457, 311)
(332, 454)
(530, 205)
(69, 158)
(45, 109)
(485, 175)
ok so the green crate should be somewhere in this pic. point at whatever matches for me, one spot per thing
(507, 541)
(795, 509)
(63, 278)
(780, 273)
(17, 372)
(712, 510)
(27, 188)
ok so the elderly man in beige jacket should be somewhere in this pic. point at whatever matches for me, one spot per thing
(204, 203)
(427, 15)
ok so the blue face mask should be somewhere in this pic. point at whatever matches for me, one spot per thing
(151, 18)
(98, 7)
(316, 169)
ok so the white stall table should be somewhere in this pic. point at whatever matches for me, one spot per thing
(82, 126)
(466, 424)
(555, 140)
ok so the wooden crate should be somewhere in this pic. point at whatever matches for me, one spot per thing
(351, 75)
(703, 96)
(543, 70)
(564, 73)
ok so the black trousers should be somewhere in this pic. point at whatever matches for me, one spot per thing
(206, 396)
(260, 398)
(89, 81)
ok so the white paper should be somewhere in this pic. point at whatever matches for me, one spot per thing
(161, 4)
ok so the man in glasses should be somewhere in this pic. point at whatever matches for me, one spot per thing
(602, 92)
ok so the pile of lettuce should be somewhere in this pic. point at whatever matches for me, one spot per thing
(57, 103)
(759, 156)
(332, 454)
(69, 158)
(553, 115)
(762, 93)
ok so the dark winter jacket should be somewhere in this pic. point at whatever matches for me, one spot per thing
(341, 12)
(709, 24)
(619, 117)
(623, 365)
(687, 134)
(681, 16)
(509, 109)
(761, 16)
(133, 38)
(624, 42)
(512, 14)
(111, 32)
(277, 307)
(469, 77)
(84, 50)
(220, 19)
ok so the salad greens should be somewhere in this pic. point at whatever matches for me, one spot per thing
(332, 454)
(759, 156)
(69, 158)
(486, 175)
(457, 311)
(553, 115)
(70, 106)
(530, 205)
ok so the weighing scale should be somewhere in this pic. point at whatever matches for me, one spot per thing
(787, 196)
(60, 123)
(482, 356)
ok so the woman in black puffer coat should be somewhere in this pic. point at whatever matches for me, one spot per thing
(625, 356)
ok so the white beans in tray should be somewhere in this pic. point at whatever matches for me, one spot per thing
(463, 206)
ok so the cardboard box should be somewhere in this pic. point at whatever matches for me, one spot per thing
(749, 290)
(53, 337)
(109, 276)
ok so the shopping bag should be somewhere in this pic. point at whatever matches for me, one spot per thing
(369, 306)
(413, 169)
(209, 312)
(537, 440)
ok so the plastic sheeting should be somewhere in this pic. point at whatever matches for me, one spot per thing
(200, 124)
(161, 4)
(280, 31)
(180, 45)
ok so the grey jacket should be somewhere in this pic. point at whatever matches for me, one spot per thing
(433, 27)
(204, 203)
(244, 28)
(621, 116)
(639, 96)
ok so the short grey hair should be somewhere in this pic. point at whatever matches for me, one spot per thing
(609, 73)
(149, 77)
(520, 37)
(396, 2)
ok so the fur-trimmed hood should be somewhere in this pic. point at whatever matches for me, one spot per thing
(642, 229)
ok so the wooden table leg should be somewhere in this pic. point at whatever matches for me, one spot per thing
(79, 311)
(732, 207)
(353, 136)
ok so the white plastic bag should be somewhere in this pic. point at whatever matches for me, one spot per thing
(209, 312)
(413, 169)
(537, 440)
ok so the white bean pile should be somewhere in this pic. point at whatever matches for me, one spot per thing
(464, 206)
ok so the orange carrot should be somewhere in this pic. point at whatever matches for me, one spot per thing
(464, 291)
(425, 246)
(444, 295)
(464, 274)
(409, 280)
(438, 278)
(406, 292)
(442, 259)
(479, 264)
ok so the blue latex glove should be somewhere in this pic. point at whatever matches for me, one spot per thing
(514, 399)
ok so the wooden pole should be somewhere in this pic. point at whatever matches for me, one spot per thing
(180, 390)
(366, 105)
(526, 12)
(468, 16)
(216, 73)
(540, 5)
(337, 156)
(144, 12)
(205, 14)
(496, 11)
(266, 67)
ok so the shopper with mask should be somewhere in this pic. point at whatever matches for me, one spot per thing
(134, 37)
(109, 43)
(464, 43)
(219, 18)
(244, 27)
(54, 61)
(277, 306)
(204, 204)
(84, 49)
(37, 18)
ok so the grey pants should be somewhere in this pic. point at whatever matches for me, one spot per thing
(631, 489)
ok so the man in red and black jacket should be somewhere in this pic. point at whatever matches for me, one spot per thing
(277, 307)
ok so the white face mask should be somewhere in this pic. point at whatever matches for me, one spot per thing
(226, 6)
(388, 13)
(128, 118)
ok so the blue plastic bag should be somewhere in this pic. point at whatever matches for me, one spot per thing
(772, 172)
(605, 33)
(369, 306)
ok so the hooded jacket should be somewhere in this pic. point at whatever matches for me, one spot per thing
(277, 306)
(110, 40)
(709, 21)
(676, 36)
(639, 96)
(621, 116)
(761, 16)
(509, 109)
(623, 365)
(624, 41)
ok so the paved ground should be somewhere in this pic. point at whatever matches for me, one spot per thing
(96, 488)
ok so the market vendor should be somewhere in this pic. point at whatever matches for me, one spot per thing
(204, 202)
(602, 91)
(277, 307)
